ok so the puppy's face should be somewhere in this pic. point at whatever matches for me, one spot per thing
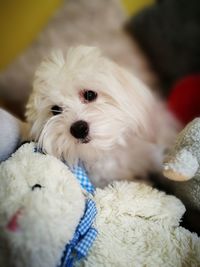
(83, 104)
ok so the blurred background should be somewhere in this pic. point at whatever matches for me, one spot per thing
(159, 41)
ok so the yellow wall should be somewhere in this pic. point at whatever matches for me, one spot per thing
(20, 21)
(133, 6)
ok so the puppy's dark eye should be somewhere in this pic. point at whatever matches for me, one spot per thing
(89, 95)
(38, 186)
(56, 110)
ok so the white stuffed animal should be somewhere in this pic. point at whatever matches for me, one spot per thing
(42, 203)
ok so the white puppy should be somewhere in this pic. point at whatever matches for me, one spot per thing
(86, 107)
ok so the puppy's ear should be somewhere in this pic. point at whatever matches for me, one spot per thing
(137, 102)
(45, 76)
(153, 121)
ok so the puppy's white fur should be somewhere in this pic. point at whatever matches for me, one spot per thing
(128, 128)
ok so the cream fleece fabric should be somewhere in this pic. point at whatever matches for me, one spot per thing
(137, 225)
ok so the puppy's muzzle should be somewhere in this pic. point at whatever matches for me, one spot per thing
(79, 129)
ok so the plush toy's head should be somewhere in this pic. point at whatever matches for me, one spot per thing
(37, 188)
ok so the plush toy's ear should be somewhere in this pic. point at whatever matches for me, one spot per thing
(12, 133)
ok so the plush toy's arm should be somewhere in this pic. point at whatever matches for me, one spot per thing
(12, 132)
(181, 167)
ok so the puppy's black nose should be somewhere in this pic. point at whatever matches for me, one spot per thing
(79, 129)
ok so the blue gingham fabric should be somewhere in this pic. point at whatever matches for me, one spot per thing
(83, 238)
(81, 174)
(85, 233)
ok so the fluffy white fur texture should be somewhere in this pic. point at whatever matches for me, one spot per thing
(128, 127)
(137, 225)
(140, 228)
(47, 218)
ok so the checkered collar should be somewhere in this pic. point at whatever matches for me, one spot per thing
(83, 238)
(85, 233)
(81, 174)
